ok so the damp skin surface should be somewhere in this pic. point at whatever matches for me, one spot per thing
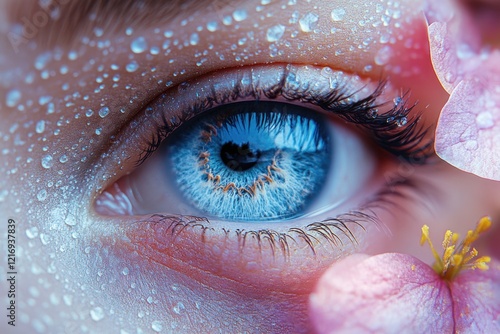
(74, 97)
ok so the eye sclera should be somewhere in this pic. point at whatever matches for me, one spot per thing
(291, 84)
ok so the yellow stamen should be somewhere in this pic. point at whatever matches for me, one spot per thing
(457, 257)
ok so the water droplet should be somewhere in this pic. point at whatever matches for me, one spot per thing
(43, 100)
(397, 101)
(386, 20)
(373, 113)
(240, 15)
(212, 26)
(471, 145)
(385, 38)
(125, 271)
(13, 97)
(194, 39)
(89, 113)
(44, 238)
(400, 122)
(97, 313)
(132, 66)
(157, 326)
(50, 108)
(3, 195)
(338, 14)
(139, 45)
(179, 308)
(449, 77)
(98, 131)
(32, 232)
(47, 161)
(42, 60)
(295, 17)
(103, 112)
(42, 195)
(98, 32)
(40, 126)
(54, 299)
(383, 55)
(309, 22)
(484, 120)
(68, 299)
(150, 300)
(63, 69)
(275, 33)
(227, 20)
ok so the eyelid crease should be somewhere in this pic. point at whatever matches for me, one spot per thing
(394, 130)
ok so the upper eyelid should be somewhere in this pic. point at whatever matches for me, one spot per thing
(352, 102)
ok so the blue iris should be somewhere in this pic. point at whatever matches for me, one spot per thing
(251, 160)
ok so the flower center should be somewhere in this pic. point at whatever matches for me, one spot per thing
(458, 256)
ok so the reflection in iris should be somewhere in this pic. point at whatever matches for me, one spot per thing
(251, 161)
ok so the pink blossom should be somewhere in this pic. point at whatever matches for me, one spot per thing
(397, 293)
(466, 59)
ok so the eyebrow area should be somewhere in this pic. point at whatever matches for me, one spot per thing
(60, 22)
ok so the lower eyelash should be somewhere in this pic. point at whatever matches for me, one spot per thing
(331, 230)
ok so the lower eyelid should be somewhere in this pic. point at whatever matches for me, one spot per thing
(263, 259)
(254, 259)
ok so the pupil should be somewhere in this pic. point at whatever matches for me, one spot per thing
(239, 157)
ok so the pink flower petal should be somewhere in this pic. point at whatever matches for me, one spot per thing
(468, 131)
(397, 293)
(388, 293)
(453, 60)
(476, 296)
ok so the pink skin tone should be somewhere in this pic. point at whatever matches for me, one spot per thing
(80, 270)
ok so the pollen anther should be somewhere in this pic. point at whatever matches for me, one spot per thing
(458, 256)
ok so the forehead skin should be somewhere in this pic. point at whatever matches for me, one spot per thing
(54, 150)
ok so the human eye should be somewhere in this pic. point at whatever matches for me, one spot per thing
(259, 144)
(275, 160)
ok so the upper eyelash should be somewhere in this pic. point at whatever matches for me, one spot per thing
(394, 130)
